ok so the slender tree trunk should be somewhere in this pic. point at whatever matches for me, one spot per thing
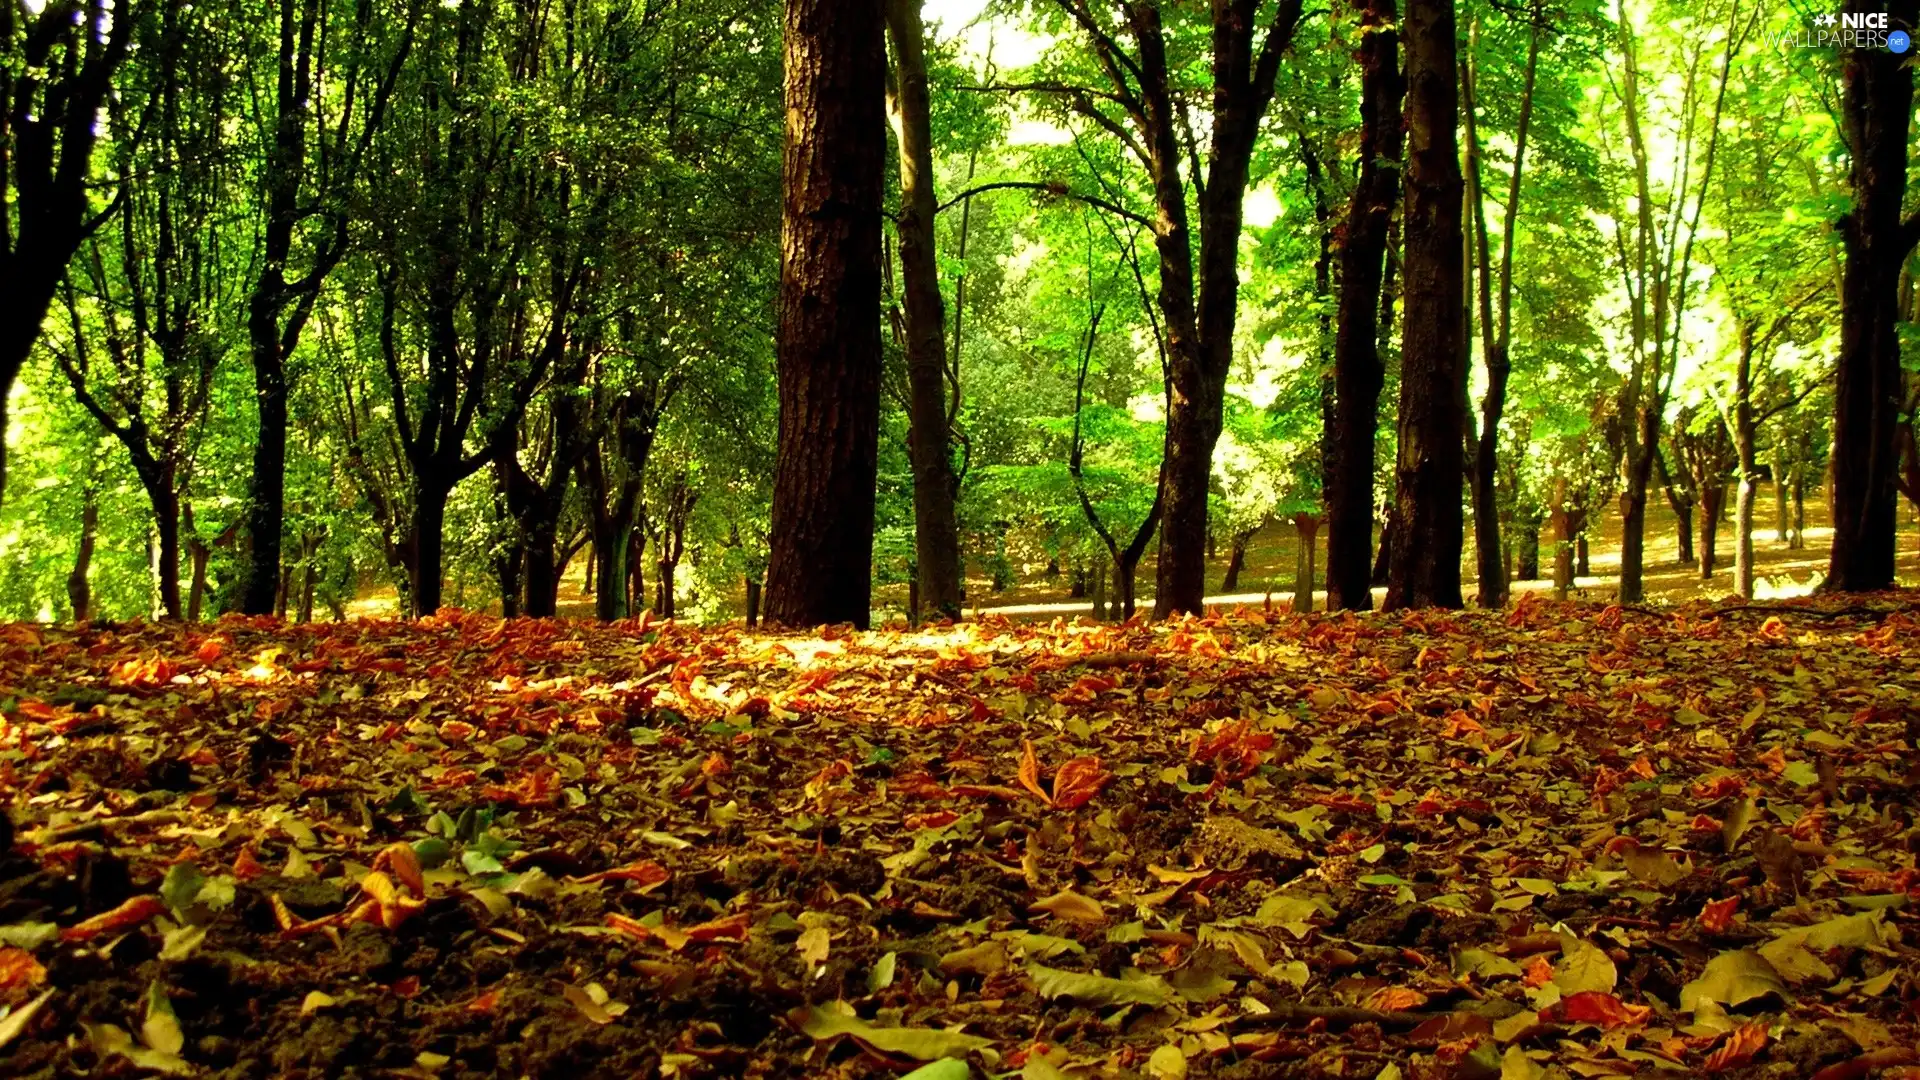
(1877, 103)
(1682, 529)
(1430, 471)
(821, 566)
(1713, 506)
(1780, 519)
(1527, 548)
(1383, 555)
(165, 500)
(1097, 576)
(1307, 528)
(1236, 560)
(935, 526)
(1582, 565)
(753, 603)
(1799, 537)
(1359, 373)
(79, 584)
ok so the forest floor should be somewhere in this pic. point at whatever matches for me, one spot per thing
(1565, 839)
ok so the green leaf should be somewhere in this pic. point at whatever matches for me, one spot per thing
(944, 1069)
(923, 1044)
(881, 976)
(432, 852)
(1098, 989)
(1732, 978)
(181, 885)
(160, 1029)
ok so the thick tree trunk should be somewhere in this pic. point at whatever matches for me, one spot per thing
(1359, 373)
(542, 580)
(610, 546)
(1430, 470)
(509, 572)
(1633, 539)
(1307, 528)
(426, 544)
(821, 564)
(935, 525)
(1877, 103)
(663, 593)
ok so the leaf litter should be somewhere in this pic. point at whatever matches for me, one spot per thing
(1558, 841)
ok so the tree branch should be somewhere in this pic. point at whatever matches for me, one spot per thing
(1053, 188)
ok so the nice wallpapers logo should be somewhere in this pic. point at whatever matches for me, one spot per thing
(1847, 30)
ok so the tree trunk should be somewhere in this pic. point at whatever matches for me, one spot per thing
(935, 526)
(1359, 373)
(753, 603)
(1713, 506)
(1560, 518)
(426, 544)
(509, 570)
(821, 564)
(1799, 537)
(1097, 576)
(610, 546)
(1236, 561)
(164, 497)
(1077, 582)
(1682, 530)
(1877, 103)
(1383, 555)
(1527, 548)
(1780, 518)
(1307, 528)
(1429, 474)
(79, 586)
(1743, 535)
(1582, 564)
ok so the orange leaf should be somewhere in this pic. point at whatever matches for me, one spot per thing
(400, 859)
(1739, 1048)
(633, 928)
(246, 867)
(1599, 1007)
(1078, 781)
(485, 1002)
(1718, 915)
(125, 917)
(19, 970)
(646, 873)
(1030, 771)
(1395, 999)
(1774, 760)
(732, 928)
(1538, 971)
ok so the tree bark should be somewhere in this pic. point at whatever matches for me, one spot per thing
(1496, 329)
(59, 72)
(1877, 103)
(1359, 373)
(1430, 470)
(1307, 529)
(79, 584)
(1236, 559)
(935, 525)
(1713, 506)
(820, 568)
